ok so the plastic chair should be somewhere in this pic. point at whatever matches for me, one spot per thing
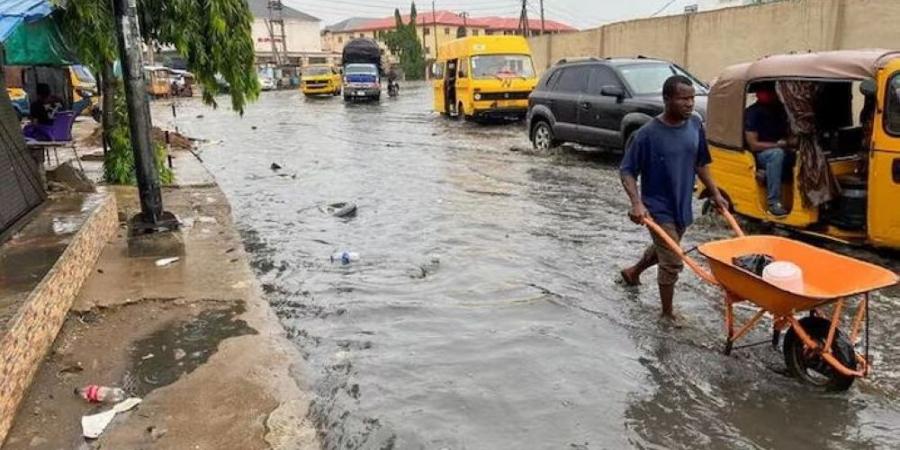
(57, 135)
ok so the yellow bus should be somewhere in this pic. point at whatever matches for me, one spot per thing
(483, 77)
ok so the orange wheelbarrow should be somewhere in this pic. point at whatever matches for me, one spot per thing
(815, 350)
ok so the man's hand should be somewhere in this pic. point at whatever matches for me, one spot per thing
(719, 202)
(638, 213)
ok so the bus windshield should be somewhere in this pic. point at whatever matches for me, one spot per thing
(502, 66)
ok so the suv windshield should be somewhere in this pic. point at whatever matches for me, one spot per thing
(360, 68)
(316, 71)
(502, 66)
(892, 115)
(648, 79)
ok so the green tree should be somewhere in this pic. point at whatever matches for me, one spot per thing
(213, 36)
(403, 41)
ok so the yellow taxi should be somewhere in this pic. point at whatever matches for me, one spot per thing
(320, 80)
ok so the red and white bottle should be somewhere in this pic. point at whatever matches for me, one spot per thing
(101, 394)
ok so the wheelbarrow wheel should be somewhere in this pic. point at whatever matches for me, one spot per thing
(811, 368)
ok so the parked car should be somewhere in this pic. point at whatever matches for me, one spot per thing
(266, 83)
(600, 102)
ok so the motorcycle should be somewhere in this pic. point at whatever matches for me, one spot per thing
(393, 88)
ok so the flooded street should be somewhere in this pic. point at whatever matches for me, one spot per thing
(484, 312)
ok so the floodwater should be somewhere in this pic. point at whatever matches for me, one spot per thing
(484, 311)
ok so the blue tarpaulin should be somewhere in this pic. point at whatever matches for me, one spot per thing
(16, 12)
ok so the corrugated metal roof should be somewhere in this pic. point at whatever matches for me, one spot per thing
(260, 10)
(15, 12)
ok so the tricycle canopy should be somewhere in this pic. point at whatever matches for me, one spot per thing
(728, 92)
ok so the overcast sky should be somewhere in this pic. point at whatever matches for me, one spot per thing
(578, 13)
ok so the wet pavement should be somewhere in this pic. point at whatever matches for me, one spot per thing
(30, 254)
(179, 348)
(484, 312)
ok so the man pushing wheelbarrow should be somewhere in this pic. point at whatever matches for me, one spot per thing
(667, 154)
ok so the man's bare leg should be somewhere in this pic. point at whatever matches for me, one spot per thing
(632, 275)
(666, 294)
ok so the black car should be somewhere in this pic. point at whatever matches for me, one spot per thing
(600, 102)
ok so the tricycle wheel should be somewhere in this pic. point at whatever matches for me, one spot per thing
(811, 368)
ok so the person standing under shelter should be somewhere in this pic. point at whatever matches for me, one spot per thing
(666, 155)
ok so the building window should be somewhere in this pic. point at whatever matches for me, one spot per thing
(488, 32)
(426, 31)
(447, 31)
(427, 50)
(340, 39)
(362, 35)
(474, 32)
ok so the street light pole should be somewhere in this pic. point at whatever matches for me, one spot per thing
(152, 217)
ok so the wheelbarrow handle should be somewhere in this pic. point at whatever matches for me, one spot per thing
(700, 271)
(732, 222)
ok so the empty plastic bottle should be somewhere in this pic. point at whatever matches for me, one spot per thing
(101, 394)
(344, 257)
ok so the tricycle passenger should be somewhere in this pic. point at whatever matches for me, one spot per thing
(766, 130)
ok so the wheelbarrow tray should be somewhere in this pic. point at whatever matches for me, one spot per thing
(827, 276)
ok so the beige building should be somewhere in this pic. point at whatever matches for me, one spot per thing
(433, 29)
(285, 36)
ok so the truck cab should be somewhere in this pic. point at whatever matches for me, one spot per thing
(361, 61)
(362, 81)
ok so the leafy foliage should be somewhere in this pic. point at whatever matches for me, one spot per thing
(118, 168)
(213, 36)
(404, 42)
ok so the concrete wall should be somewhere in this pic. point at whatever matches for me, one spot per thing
(301, 36)
(29, 334)
(708, 42)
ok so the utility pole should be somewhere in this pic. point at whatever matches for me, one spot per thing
(434, 29)
(152, 217)
(465, 17)
(523, 19)
(275, 19)
(543, 29)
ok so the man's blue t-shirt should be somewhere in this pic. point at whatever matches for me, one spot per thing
(769, 122)
(665, 159)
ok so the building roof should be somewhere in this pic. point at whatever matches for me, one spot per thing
(512, 23)
(450, 18)
(260, 10)
(348, 24)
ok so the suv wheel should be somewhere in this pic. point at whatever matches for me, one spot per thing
(542, 137)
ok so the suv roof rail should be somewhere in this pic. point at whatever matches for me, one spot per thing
(578, 59)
